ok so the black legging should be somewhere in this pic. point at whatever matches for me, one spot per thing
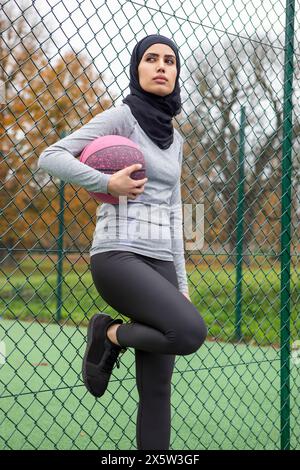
(165, 323)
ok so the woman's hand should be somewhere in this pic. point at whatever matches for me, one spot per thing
(120, 183)
(187, 296)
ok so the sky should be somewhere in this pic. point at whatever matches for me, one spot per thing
(104, 29)
(107, 30)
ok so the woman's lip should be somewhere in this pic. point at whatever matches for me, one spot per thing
(160, 80)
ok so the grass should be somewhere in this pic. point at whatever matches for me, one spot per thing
(29, 293)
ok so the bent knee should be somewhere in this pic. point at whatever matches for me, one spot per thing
(190, 337)
(194, 340)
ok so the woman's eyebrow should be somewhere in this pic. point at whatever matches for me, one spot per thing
(166, 55)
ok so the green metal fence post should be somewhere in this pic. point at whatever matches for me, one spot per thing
(240, 219)
(286, 227)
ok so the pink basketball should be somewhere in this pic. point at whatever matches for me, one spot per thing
(111, 153)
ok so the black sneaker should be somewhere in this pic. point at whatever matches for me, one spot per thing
(100, 355)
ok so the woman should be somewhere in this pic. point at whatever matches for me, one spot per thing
(142, 278)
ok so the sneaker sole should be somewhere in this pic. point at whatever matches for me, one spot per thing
(89, 342)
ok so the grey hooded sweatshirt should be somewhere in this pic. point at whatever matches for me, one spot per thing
(151, 224)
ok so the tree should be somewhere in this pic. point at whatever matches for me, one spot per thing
(229, 76)
(43, 99)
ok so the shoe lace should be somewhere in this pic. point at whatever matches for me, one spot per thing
(112, 358)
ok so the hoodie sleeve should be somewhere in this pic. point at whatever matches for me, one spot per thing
(177, 231)
(59, 159)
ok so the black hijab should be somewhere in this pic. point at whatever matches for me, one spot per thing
(153, 112)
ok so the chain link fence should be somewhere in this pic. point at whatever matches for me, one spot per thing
(61, 64)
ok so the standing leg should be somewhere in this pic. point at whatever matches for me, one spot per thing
(153, 378)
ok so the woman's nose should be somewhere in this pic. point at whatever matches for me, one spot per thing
(161, 64)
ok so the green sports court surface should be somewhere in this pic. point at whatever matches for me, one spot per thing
(225, 396)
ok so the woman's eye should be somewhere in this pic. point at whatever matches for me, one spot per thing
(169, 60)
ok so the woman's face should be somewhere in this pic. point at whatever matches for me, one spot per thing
(158, 59)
